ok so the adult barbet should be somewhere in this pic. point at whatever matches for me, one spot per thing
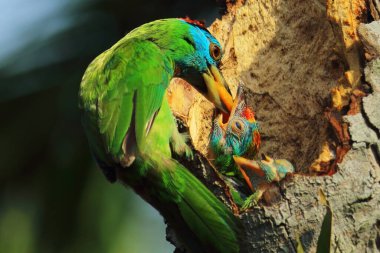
(130, 127)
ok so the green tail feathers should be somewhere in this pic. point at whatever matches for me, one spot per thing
(201, 221)
(130, 126)
(207, 217)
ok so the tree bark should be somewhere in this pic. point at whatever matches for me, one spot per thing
(297, 58)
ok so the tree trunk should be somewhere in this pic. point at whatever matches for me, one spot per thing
(300, 62)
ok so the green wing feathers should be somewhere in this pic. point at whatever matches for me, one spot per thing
(122, 94)
(128, 79)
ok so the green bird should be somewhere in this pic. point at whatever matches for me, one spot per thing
(132, 131)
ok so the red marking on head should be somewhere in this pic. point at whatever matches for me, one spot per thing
(225, 117)
(249, 114)
(200, 23)
(331, 172)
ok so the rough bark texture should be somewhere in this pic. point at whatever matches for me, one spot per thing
(290, 55)
(283, 51)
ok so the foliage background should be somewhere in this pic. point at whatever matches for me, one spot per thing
(52, 196)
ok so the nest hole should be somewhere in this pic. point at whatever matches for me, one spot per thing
(285, 56)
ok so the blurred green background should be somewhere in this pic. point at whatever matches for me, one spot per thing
(53, 198)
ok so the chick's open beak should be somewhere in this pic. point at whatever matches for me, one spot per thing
(217, 90)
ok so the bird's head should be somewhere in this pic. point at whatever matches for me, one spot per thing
(198, 63)
(240, 134)
(284, 167)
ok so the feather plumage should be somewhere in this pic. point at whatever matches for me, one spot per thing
(130, 126)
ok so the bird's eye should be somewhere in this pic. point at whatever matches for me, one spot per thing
(215, 52)
(237, 126)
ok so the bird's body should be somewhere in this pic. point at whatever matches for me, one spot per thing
(131, 129)
(235, 143)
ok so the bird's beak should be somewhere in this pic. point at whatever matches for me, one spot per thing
(217, 90)
(222, 125)
(265, 158)
(239, 101)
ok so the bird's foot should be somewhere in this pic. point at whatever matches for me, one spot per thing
(180, 147)
(251, 201)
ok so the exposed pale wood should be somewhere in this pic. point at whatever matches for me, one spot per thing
(290, 56)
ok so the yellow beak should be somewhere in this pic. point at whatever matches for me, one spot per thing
(217, 90)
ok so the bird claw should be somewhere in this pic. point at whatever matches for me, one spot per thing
(189, 153)
(180, 147)
(186, 148)
(250, 202)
